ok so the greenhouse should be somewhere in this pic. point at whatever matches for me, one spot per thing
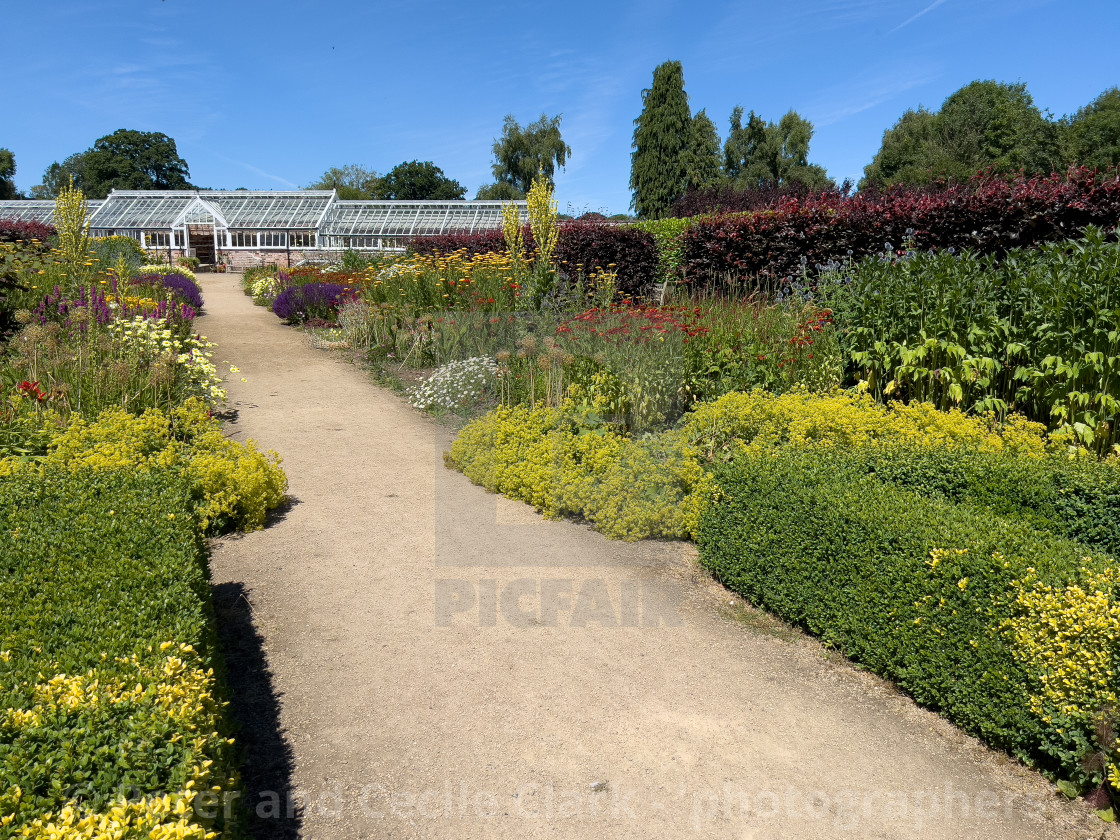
(34, 211)
(247, 227)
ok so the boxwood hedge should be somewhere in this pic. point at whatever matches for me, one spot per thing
(110, 708)
(980, 616)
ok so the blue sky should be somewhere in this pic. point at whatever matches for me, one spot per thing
(269, 95)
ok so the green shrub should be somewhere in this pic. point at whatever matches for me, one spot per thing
(979, 616)
(1033, 332)
(567, 463)
(110, 249)
(107, 657)
(1009, 466)
(668, 233)
(234, 485)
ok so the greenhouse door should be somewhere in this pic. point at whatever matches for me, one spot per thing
(202, 243)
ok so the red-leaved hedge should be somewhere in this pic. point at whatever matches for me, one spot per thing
(12, 230)
(731, 198)
(630, 252)
(988, 215)
(588, 244)
(479, 242)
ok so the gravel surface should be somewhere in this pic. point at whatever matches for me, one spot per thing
(413, 656)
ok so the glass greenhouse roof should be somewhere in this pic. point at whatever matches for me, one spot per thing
(413, 218)
(294, 210)
(141, 210)
(243, 209)
(34, 211)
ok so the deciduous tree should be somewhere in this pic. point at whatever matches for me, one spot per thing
(764, 154)
(8, 175)
(418, 180)
(1092, 135)
(521, 153)
(984, 125)
(123, 160)
(351, 181)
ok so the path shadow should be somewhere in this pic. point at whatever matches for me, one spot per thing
(281, 511)
(267, 759)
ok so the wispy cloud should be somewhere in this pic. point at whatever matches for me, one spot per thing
(857, 95)
(256, 170)
(924, 11)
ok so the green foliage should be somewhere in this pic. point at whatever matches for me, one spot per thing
(106, 651)
(928, 593)
(566, 462)
(662, 134)
(110, 249)
(415, 180)
(668, 233)
(352, 182)
(985, 124)
(904, 156)
(499, 191)
(123, 160)
(702, 156)
(1034, 333)
(8, 175)
(233, 484)
(59, 175)
(1092, 135)
(763, 154)
(521, 154)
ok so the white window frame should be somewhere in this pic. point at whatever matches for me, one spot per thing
(238, 238)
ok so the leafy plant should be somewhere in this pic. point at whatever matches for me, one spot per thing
(942, 598)
(1035, 333)
(107, 658)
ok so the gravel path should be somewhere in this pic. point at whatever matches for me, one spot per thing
(416, 657)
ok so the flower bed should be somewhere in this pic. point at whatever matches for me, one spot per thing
(112, 718)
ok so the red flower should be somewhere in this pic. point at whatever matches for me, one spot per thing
(32, 389)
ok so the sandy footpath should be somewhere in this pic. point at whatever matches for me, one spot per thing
(450, 665)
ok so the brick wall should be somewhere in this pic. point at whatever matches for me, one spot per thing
(239, 260)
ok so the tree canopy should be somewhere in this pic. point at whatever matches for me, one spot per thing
(521, 153)
(418, 180)
(767, 154)
(1092, 135)
(662, 134)
(499, 191)
(702, 155)
(123, 160)
(351, 182)
(8, 175)
(58, 175)
(984, 125)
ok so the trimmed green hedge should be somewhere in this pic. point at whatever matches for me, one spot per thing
(942, 598)
(1077, 498)
(107, 650)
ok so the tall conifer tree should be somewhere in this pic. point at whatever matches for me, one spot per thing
(661, 139)
(702, 158)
